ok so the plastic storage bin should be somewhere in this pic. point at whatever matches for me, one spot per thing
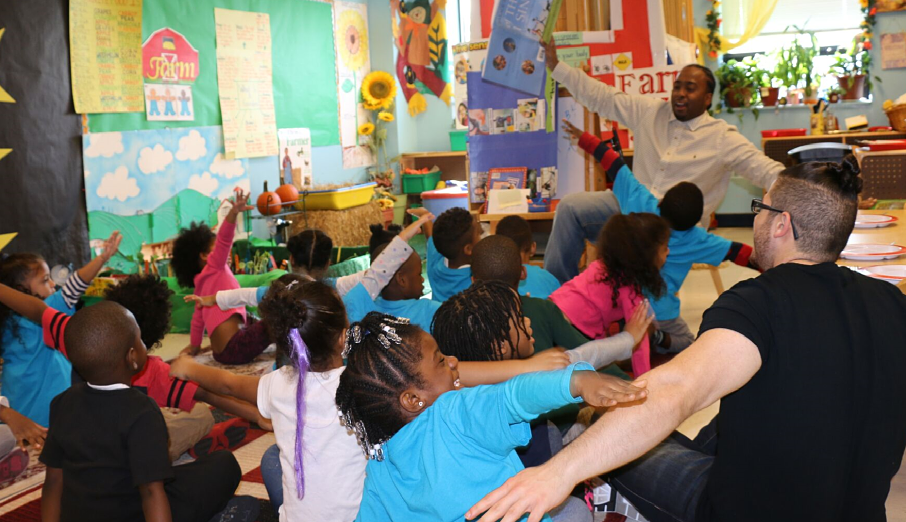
(458, 140)
(337, 199)
(418, 183)
(437, 201)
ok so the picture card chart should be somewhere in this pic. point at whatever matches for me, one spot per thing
(353, 64)
(245, 82)
(105, 46)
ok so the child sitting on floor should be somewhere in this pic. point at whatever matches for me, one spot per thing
(450, 241)
(201, 260)
(682, 208)
(631, 249)
(18, 433)
(436, 449)
(402, 295)
(106, 449)
(538, 282)
(496, 258)
(32, 374)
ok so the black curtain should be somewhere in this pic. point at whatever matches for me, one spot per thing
(41, 185)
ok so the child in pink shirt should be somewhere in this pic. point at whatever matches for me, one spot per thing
(201, 260)
(631, 251)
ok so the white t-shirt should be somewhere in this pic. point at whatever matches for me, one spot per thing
(333, 462)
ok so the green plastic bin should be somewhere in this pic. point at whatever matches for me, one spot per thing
(458, 140)
(418, 183)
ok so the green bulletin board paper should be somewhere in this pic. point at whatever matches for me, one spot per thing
(305, 84)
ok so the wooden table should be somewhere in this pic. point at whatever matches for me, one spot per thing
(895, 233)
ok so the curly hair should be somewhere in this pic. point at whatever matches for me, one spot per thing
(628, 246)
(148, 298)
(474, 324)
(310, 249)
(187, 249)
(379, 236)
(452, 231)
(518, 229)
(383, 354)
(305, 319)
(15, 269)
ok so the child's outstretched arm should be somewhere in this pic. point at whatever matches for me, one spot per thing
(52, 495)
(222, 382)
(90, 271)
(476, 373)
(741, 254)
(601, 352)
(29, 307)
(155, 504)
(224, 243)
(234, 406)
(229, 299)
(428, 226)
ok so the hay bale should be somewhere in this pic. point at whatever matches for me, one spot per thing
(346, 227)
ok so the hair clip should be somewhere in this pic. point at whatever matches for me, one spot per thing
(391, 334)
(384, 341)
(292, 283)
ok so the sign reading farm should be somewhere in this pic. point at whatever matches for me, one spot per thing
(167, 57)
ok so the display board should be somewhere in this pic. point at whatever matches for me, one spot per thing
(304, 64)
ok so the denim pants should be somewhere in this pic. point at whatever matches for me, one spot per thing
(579, 216)
(272, 474)
(666, 484)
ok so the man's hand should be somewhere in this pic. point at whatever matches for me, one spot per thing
(200, 301)
(27, 432)
(550, 53)
(548, 360)
(603, 390)
(534, 490)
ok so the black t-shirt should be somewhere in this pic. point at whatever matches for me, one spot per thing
(107, 443)
(820, 429)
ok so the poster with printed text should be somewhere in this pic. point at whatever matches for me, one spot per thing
(245, 83)
(353, 63)
(295, 157)
(169, 67)
(105, 55)
(467, 57)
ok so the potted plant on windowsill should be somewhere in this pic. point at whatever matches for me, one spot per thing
(768, 86)
(736, 86)
(796, 66)
(852, 71)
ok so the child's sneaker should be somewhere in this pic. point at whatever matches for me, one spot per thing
(239, 509)
(12, 465)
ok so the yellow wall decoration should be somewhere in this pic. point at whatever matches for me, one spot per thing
(6, 238)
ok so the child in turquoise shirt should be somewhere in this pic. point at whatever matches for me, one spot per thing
(436, 449)
(538, 282)
(450, 241)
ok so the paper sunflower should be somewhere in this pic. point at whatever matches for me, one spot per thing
(385, 116)
(354, 48)
(371, 107)
(366, 129)
(378, 88)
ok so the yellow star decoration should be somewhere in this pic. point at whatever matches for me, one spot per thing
(4, 96)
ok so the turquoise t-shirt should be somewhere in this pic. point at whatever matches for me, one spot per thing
(538, 282)
(460, 449)
(358, 303)
(686, 248)
(34, 373)
(420, 312)
(445, 281)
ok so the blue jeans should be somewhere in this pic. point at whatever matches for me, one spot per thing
(272, 474)
(666, 484)
(579, 216)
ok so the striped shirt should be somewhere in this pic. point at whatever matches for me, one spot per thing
(704, 150)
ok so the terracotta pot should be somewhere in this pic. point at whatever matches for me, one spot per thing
(769, 96)
(854, 91)
(738, 96)
(388, 217)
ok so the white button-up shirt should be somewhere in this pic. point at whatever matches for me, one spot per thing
(704, 150)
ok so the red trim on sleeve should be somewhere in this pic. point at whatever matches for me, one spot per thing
(53, 323)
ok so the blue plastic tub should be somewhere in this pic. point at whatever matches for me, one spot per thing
(438, 201)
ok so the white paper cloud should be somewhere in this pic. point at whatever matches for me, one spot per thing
(106, 144)
(206, 184)
(226, 168)
(118, 185)
(154, 160)
(191, 147)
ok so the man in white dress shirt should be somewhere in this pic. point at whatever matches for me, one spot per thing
(674, 142)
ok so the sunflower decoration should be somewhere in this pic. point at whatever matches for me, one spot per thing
(378, 88)
(378, 94)
(385, 116)
(354, 48)
(366, 129)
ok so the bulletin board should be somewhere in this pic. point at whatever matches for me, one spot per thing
(304, 64)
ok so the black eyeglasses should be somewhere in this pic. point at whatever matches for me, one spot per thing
(758, 206)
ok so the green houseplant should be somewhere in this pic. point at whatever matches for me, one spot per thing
(796, 65)
(852, 71)
(740, 83)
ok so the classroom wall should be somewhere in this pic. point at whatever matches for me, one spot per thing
(892, 85)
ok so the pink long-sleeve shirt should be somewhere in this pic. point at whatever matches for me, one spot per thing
(214, 277)
(588, 304)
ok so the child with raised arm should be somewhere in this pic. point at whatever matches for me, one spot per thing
(435, 448)
(450, 241)
(33, 374)
(201, 260)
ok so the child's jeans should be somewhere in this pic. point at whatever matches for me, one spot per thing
(272, 474)
(201, 489)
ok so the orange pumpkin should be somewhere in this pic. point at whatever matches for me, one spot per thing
(289, 194)
(268, 202)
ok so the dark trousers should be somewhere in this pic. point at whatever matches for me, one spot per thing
(199, 490)
(246, 344)
(666, 484)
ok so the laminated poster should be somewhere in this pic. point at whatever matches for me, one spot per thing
(105, 41)
(295, 157)
(515, 56)
(467, 57)
(169, 66)
(245, 82)
(353, 64)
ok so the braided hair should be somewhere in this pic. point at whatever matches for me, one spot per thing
(628, 246)
(474, 324)
(310, 249)
(15, 269)
(305, 319)
(383, 353)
